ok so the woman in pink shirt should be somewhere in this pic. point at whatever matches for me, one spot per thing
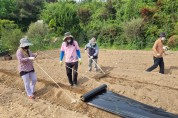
(25, 66)
(72, 54)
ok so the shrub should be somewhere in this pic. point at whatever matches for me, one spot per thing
(147, 13)
(84, 15)
(62, 17)
(132, 29)
(10, 35)
(36, 33)
(133, 32)
(37, 29)
(176, 28)
(173, 41)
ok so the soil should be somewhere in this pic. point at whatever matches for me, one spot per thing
(126, 76)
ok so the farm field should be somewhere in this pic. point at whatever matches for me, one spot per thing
(126, 77)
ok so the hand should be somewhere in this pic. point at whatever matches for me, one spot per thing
(80, 61)
(158, 54)
(91, 57)
(61, 63)
(165, 48)
(31, 58)
(85, 50)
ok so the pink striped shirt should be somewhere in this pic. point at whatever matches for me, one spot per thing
(24, 63)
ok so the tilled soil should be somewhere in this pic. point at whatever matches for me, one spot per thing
(126, 76)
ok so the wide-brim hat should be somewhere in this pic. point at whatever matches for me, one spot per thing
(24, 42)
(66, 35)
(93, 40)
(162, 34)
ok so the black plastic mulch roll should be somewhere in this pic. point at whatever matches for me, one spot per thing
(93, 93)
(123, 106)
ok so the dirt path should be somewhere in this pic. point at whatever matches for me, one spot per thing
(127, 77)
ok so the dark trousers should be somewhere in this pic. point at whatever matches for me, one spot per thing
(69, 67)
(157, 61)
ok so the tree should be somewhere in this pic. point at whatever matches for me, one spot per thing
(84, 15)
(62, 17)
(10, 35)
(6, 8)
(23, 12)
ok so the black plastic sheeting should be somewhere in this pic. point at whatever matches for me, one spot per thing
(122, 106)
(93, 93)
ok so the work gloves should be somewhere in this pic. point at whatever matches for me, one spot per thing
(31, 58)
(80, 61)
(61, 63)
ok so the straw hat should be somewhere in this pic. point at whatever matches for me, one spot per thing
(66, 35)
(24, 42)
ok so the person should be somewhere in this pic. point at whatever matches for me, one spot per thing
(92, 49)
(158, 54)
(25, 66)
(71, 50)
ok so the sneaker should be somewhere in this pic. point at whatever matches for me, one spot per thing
(75, 85)
(95, 69)
(146, 71)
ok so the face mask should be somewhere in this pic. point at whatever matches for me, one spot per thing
(69, 40)
(26, 47)
(93, 44)
(163, 38)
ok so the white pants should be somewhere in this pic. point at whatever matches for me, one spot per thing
(29, 80)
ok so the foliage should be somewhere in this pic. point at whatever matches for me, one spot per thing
(37, 29)
(6, 8)
(173, 41)
(61, 17)
(120, 24)
(176, 29)
(133, 32)
(23, 12)
(10, 35)
(84, 15)
(36, 33)
(41, 37)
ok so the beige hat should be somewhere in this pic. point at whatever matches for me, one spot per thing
(93, 40)
(24, 42)
(66, 35)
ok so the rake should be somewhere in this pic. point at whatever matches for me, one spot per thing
(104, 74)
